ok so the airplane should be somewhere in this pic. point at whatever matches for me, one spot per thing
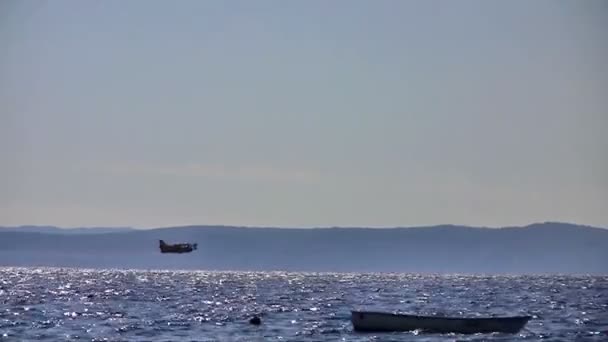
(177, 248)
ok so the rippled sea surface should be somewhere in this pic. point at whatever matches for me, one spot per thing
(116, 305)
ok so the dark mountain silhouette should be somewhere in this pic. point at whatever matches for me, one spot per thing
(546, 248)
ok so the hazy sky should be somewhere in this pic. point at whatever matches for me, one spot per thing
(303, 113)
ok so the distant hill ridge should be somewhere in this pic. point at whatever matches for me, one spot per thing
(59, 230)
(548, 247)
(104, 230)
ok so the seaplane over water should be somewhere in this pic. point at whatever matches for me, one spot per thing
(177, 248)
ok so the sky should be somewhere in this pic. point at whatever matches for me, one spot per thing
(303, 113)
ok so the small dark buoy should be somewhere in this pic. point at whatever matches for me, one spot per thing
(255, 320)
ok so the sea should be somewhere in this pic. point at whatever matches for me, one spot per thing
(58, 304)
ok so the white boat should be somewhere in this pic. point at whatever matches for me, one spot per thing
(382, 321)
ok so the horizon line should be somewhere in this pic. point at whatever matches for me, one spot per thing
(302, 227)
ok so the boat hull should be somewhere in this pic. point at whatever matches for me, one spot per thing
(384, 322)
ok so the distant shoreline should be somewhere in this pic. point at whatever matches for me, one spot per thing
(546, 248)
